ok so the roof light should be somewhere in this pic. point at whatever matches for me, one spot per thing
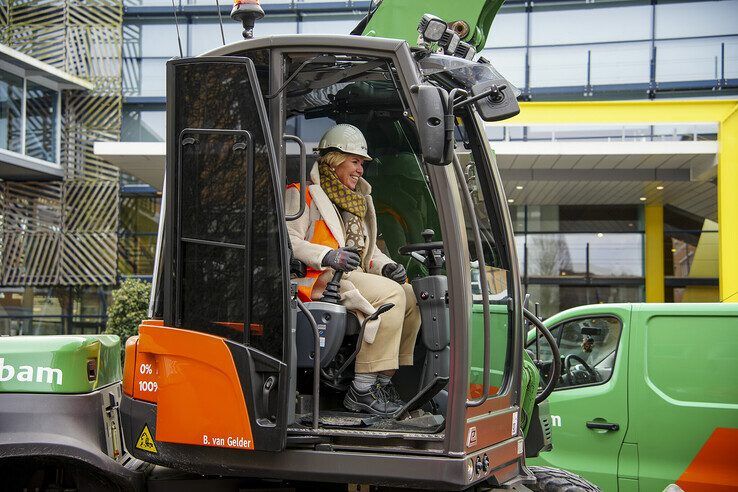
(659, 187)
(643, 198)
(247, 12)
(465, 50)
(449, 42)
(518, 187)
(431, 28)
(599, 234)
(510, 200)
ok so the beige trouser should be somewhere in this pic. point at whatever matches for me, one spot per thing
(398, 328)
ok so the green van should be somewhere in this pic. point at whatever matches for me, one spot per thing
(648, 396)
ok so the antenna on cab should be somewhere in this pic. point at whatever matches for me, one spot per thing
(220, 21)
(176, 24)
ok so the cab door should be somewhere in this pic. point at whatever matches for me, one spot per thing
(224, 262)
(589, 407)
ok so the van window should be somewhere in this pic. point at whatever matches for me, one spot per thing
(588, 349)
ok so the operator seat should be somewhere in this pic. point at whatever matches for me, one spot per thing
(335, 323)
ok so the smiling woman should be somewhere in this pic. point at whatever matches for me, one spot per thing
(345, 211)
(349, 170)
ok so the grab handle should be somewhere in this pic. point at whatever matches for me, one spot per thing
(303, 175)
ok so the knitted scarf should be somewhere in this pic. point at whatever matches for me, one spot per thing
(352, 205)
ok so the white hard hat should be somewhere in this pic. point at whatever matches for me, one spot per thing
(346, 138)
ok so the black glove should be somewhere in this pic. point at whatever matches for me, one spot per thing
(395, 272)
(343, 259)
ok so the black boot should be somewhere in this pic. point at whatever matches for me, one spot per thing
(393, 396)
(372, 401)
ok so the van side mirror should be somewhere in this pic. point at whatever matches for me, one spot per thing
(431, 123)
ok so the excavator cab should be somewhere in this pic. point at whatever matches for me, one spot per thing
(235, 374)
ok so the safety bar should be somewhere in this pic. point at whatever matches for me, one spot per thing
(451, 103)
(482, 283)
(303, 175)
(316, 362)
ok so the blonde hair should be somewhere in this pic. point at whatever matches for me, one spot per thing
(333, 158)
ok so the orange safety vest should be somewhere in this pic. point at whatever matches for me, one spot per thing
(321, 235)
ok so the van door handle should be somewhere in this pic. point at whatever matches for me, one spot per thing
(603, 425)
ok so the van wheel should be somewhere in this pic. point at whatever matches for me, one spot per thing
(557, 480)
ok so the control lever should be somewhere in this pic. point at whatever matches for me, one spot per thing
(435, 261)
(380, 310)
(418, 256)
(331, 292)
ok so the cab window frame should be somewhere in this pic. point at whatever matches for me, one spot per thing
(493, 203)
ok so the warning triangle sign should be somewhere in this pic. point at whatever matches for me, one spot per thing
(145, 441)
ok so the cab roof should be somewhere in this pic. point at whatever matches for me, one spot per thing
(308, 41)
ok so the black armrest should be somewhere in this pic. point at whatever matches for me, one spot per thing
(298, 269)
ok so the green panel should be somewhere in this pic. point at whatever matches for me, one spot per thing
(682, 380)
(529, 389)
(498, 344)
(628, 461)
(399, 18)
(627, 485)
(680, 363)
(673, 355)
(589, 452)
(58, 364)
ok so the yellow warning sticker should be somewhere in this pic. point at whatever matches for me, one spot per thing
(145, 441)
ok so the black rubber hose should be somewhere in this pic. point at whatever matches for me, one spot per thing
(555, 371)
(316, 362)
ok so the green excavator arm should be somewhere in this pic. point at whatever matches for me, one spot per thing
(398, 19)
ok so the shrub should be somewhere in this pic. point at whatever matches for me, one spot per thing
(129, 307)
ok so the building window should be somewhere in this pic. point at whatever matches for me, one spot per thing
(29, 118)
(574, 255)
(690, 257)
(53, 310)
(139, 219)
(42, 105)
(11, 102)
(553, 299)
(143, 123)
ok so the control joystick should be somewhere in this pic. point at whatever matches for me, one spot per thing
(331, 293)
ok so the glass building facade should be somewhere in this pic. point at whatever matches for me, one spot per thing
(573, 255)
(569, 255)
(551, 50)
(575, 50)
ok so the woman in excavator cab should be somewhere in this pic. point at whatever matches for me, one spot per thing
(338, 232)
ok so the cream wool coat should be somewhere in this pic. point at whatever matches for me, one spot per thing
(301, 230)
